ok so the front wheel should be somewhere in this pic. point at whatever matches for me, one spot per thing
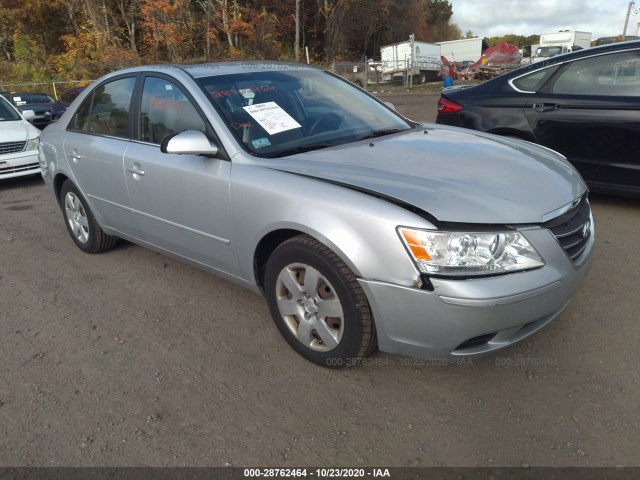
(81, 224)
(317, 303)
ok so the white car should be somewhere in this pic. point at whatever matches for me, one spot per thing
(19, 142)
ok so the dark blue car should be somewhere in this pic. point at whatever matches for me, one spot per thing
(63, 102)
(584, 104)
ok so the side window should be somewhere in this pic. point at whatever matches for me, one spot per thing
(609, 75)
(81, 118)
(166, 110)
(110, 110)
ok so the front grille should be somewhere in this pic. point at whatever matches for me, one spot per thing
(35, 167)
(576, 229)
(11, 147)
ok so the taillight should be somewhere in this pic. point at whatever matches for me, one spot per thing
(447, 106)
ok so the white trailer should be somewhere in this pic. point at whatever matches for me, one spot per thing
(465, 50)
(566, 38)
(557, 43)
(398, 60)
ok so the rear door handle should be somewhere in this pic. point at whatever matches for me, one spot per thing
(135, 169)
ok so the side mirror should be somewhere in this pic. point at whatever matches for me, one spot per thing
(190, 142)
(28, 115)
(390, 105)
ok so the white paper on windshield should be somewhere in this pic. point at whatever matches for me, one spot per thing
(272, 118)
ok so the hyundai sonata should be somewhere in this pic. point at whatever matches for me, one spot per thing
(361, 228)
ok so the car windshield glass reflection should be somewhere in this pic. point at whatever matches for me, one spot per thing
(275, 114)
(548, 51)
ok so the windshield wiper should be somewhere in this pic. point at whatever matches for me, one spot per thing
(380, 133)
(300, 149)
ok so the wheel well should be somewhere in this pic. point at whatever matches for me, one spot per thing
(57, 184)
(265, 248)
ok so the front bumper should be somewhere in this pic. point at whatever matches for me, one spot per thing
(462, 318)
(19, 164)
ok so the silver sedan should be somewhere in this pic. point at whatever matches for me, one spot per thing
(361, 228)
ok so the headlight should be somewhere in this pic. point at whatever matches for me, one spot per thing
(469, 253)
(33, 144)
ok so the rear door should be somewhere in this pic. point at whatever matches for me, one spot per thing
(591, 114)
(96, 140)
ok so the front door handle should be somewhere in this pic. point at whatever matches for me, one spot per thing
(75, 156)
(135, 169)
(545, 107)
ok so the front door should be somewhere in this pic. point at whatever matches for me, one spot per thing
(181, 202)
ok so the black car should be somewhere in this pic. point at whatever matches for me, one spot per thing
(40, 103)
(585, 105)
(64, 101)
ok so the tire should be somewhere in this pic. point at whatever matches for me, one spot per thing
(80, 222)
(301, 312)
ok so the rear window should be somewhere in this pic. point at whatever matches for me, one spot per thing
(31, 98)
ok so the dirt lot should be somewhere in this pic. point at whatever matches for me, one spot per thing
(131, 358)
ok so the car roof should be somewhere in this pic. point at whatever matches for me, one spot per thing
(221, 68)
(550, 62)
(582, 53)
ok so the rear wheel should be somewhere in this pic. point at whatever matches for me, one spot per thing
(317, 304)
(81, 224)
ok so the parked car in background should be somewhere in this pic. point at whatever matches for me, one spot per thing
(18, 142)
(61, 105)
(585, 105)
(360, 227)
(40, 103)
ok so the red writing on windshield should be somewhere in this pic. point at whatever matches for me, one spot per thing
(242, 91)
(238, 126)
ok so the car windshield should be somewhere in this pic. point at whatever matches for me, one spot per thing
(7, 112)
(275, 114)
(548, 51)
(31, 98)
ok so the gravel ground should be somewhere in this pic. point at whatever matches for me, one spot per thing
(130, 358)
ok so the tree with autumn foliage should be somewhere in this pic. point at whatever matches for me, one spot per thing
(77, 39)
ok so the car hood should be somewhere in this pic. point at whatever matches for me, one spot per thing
(453, 174)
(17, 131)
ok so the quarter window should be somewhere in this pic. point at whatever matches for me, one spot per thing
(81, 120)
(609, 75)
(531, 82)
(166, 110)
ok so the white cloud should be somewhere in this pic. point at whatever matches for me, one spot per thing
(500, 17)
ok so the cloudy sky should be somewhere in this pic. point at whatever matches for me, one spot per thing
(603, 18)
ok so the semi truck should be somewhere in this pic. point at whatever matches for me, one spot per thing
(411, 58)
